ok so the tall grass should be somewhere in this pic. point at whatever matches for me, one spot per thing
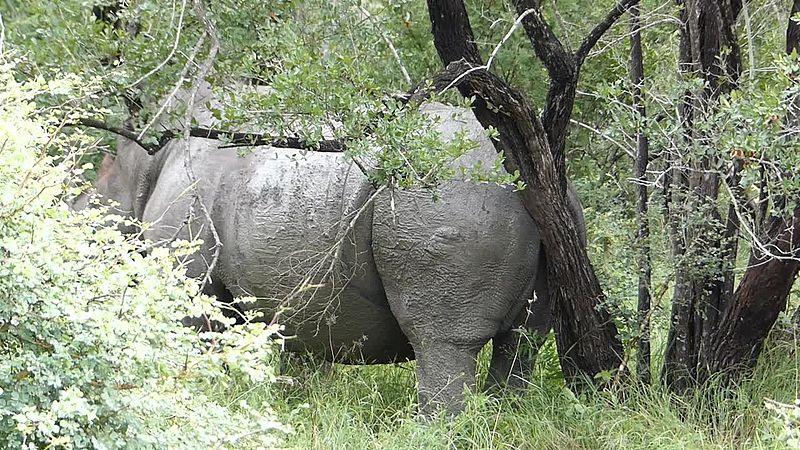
(372, 407)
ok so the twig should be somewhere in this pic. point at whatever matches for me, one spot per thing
(390, 45)
(750, 50)
(178, 84)
(496, 50)
(561, 23)
(151, 148)
(205, 69)
(625, 149)
(171, 53)
(2, 36)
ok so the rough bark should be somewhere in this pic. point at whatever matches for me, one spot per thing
(747, 317)
(563, 70)
(586, 337)
(761, 296)
(734, 324)
(702, 248)
(639, 175)
(793, 30)
(746, 320)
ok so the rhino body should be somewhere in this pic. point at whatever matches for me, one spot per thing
(356, 275)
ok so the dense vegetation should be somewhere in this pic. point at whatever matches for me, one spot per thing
(722, 146)
(93, 354)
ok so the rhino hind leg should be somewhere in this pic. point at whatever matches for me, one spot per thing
(444, 370)
(514, 351)
(229, 307)
(444, 304)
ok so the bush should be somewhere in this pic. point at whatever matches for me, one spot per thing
(92, 353)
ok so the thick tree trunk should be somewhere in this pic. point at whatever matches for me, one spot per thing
(745, 321)
(733, 324)
(755, 306)
(639, 176)
(708, 50)
(586, 337)
(747, 318)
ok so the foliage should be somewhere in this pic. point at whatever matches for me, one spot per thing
(373, 408)
(328, 70)
(314, 68)
(92, 351)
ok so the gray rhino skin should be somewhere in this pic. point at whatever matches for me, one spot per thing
(355, 276)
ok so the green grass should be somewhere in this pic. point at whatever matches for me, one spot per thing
(372, 407)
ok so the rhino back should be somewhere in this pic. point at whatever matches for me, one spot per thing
(285, 220)
(280, 215)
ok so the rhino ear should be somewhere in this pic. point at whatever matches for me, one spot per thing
(106, 166)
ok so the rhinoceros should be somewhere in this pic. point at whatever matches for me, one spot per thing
(356, 274)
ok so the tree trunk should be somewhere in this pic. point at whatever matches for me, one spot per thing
(747, 318)
(759, 299)
(586, 337)
(640, 177)
(733, 324)
(708, 50)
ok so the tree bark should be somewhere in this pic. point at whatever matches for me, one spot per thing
(746, 320)
(640, 175)
(759, 299)
(708, 50)
(563, 70)
(733, 324)
(586, 337)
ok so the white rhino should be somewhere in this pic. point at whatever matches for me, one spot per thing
(355, 275)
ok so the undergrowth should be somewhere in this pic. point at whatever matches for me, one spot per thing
(373, 407)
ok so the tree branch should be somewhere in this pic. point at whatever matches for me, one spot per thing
(563, 69)
(234, 138)
(559, 62)
(599, 30)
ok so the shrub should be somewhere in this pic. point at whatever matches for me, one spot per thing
(92, 353)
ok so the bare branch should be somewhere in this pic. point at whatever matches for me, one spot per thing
(205, 69)
(2, 35)
(389, 44)
(151, 148)
(600, 29)
(233, 138)
(171, 52)
(181, 79)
